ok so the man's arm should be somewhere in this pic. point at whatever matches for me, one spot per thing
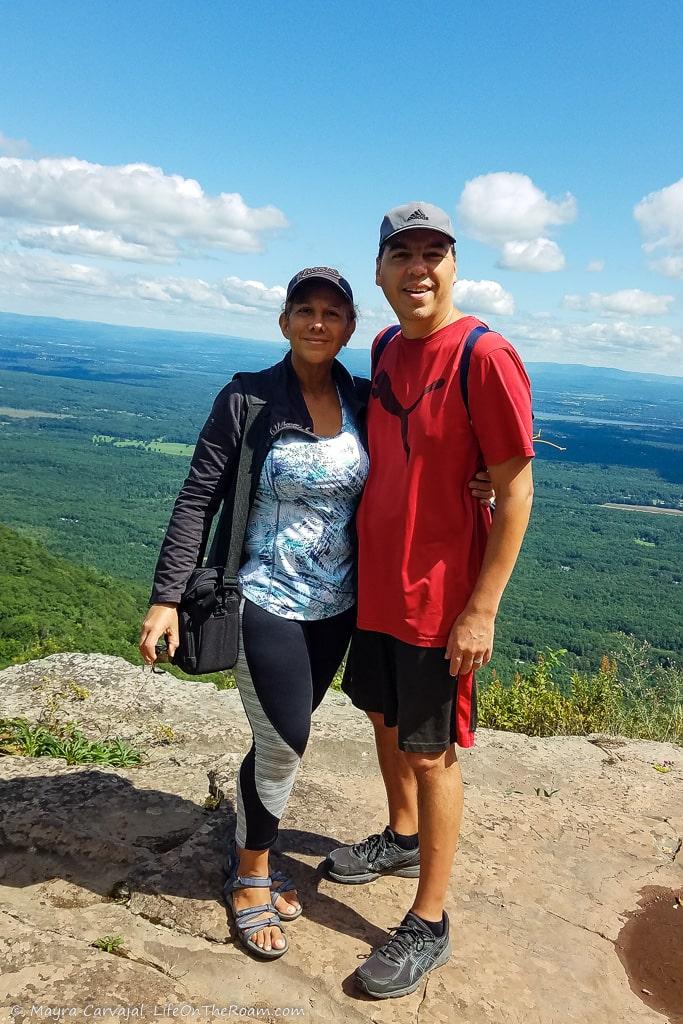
(470, 641)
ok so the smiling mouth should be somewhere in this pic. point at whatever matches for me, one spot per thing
(417, 291)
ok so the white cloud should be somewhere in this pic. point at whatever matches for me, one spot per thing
(595, 266)
(42, 276)
(670, 266)
(13, 147)
(132, 204)
(253, 293)
(506, 206)
(660, 215)
(628, 301)
(483, 297)
(508, 211)
(74, 240)
(621, 343)
(540, 255)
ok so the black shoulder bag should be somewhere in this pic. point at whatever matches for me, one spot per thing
(208, 611)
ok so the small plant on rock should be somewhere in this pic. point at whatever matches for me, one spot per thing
(108, 943)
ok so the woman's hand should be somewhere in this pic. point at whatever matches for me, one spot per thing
(482, 488)
(161, 620)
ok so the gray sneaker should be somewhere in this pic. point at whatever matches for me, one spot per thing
(398, 967)
(377, 855)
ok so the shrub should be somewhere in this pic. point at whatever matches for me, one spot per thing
(627, 696)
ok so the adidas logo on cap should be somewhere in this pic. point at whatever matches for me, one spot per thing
(417, 214)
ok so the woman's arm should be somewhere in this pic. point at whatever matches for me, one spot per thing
(211, 468)
(212, 465)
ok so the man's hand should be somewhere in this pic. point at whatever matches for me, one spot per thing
(470, 641)
(482, 488)
(161, 620)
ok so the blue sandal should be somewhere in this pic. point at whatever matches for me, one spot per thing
(285, 884)
(244, 919)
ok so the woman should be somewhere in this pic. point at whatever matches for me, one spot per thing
(298, 573)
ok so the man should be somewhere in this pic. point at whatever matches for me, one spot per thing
(432, 569)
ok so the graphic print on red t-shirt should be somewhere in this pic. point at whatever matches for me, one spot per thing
(421, 534)
(381, 388)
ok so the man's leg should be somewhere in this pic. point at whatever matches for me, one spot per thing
(440, 801)
(395, 851)
(398, 775)
(422, 941)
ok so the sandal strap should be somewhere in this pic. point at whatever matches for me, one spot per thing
(244, 920)
(285, 883)
(264, 908)
(248, 882)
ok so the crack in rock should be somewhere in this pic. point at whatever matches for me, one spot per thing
(576, 924)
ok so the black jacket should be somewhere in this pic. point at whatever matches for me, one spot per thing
(213, 467)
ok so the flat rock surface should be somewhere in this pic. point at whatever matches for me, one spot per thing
(560, 838)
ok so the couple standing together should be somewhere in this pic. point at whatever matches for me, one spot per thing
(367, 523)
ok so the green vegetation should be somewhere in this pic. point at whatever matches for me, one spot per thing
(92, 477)
(158, 445)
(50, 605)
(20, 738)
(108, 943)
(581, 576)
(627, 696)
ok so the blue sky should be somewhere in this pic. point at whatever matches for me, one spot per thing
(551, 133)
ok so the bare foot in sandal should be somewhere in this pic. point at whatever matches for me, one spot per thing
(267, 938)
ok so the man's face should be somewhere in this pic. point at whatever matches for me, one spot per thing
(416, 272)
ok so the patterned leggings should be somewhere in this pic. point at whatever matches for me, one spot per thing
(284, 668)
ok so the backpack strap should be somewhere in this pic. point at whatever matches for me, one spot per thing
(390, 333)
(471, 340)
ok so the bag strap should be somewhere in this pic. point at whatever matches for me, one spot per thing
(471, 340)
(390, 333)
(240, 508)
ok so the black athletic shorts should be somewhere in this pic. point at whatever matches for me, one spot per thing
(412, 687)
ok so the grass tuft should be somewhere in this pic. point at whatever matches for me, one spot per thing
(20, 738)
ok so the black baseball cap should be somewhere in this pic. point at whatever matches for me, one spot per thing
(327, 274)
(415, 215)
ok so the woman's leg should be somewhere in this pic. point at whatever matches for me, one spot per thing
(327, 641)
(273, 675)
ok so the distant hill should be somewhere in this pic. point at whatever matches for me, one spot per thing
(49, 604)
(81, 338)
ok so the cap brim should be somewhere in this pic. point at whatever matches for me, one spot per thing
(421, 227)
(325, 280)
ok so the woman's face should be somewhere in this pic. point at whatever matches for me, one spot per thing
(319, 323)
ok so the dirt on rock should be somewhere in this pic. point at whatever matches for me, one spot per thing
(650, 946)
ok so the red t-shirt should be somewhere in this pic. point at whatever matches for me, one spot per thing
(421, 534)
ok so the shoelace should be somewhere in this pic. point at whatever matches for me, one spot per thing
(404, 938)
(371, 847)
